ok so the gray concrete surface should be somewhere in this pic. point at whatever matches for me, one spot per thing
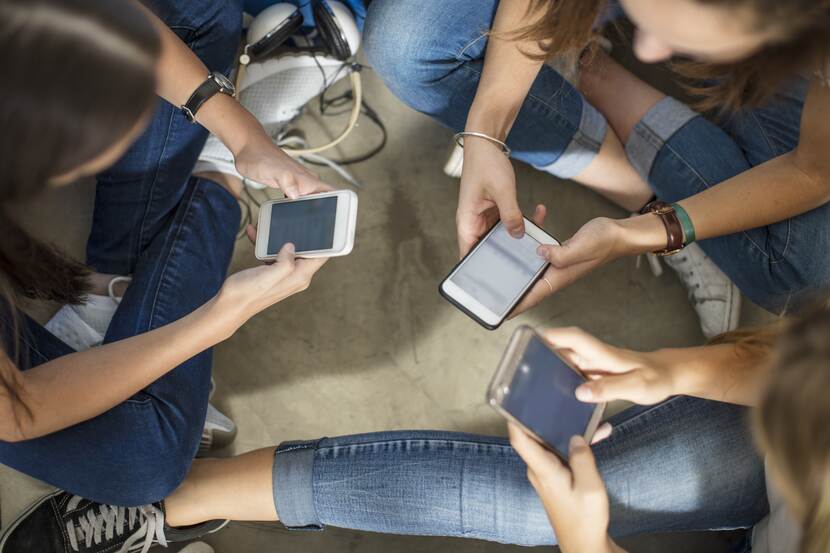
(371, 345)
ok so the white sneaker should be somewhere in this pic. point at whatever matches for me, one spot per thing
(83, 326)
(715, 298)
(455, 163)
(219, 432)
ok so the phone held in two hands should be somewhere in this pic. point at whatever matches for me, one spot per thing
(496, 274)
(319, 225)
(535, 387)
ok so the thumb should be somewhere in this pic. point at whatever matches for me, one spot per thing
(285, 258)
(287, 182)
(509, 211)
(568, 254)
(629, 387)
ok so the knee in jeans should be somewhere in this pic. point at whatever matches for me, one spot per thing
(399, 46)
(222, 33)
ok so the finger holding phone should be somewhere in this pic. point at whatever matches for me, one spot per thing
(573, 495)
(487, 194)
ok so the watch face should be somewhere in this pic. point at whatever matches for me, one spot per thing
(224, 82)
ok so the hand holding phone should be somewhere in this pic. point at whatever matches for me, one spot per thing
(494, 276)
(319, 225)
(534, 387)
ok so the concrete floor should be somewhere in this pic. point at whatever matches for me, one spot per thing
(371, 345)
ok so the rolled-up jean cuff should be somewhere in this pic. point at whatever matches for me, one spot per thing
(584, 146)
(651, 133)
(293, 485)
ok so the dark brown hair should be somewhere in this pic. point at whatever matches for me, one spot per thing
(803, 28)
(791, 422)
(78, 76)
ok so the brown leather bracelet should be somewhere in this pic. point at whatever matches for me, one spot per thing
(674, 229)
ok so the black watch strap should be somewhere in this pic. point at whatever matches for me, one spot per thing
(214, 84)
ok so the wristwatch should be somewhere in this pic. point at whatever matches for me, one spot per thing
(675, 240)
(215, 83)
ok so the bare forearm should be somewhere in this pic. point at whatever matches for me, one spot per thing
(180, 72)
(729, 373)
(82, 385)
(774, 191)
(507, 75)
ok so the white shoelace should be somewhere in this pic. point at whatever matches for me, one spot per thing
(109, 521)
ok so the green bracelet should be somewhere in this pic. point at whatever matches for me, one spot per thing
(686, 223)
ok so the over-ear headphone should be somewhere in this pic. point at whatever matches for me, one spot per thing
(338, 35)
(335, 25)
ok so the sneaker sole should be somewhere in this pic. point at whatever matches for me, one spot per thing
(23, 516)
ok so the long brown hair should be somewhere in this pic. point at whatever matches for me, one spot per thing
(804, 45)
(791, 422)
(79, 74)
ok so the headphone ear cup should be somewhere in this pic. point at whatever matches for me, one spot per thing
(337, 28)
(271, 28)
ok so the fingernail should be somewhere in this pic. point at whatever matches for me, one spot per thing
(542, 251)
(584, 393)
(577, 442)
(517, 233)
(289, 247)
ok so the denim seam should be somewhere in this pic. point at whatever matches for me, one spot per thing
(142, 229)
(469, 45)
(328, 449)
(764, 133)
(532, 96)
(164, 266)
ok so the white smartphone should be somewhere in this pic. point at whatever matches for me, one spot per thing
(496, 274)
(319, 225)
(535, 388)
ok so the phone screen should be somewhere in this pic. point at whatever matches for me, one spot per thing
(541, 396)
(308, 224)
(499, 270)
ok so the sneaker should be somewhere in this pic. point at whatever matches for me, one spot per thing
(219, 432)
(455, 163)
(64, 523)
(84, 326)
(715, 298)
(216, 158)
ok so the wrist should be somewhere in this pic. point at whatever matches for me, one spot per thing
(642, 234)
(231, 308)
(491, 119)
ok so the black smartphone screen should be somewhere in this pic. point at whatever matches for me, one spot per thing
(541, 396)
(499, 270)
(308, 224)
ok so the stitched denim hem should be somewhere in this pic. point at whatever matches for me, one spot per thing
(649, 135)
(293, 486)
(584, 146)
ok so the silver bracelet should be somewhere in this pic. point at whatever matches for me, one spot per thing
(459, 139)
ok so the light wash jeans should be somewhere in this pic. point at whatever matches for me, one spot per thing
(686, 464)
(430, 54)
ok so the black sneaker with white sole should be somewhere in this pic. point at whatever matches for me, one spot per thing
(64, 523)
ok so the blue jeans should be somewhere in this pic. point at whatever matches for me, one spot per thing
(430, 53)
(684, 465)
(175, 235)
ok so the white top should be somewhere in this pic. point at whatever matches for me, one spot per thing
(778, 532)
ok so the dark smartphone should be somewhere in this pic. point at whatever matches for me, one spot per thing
(534, 387)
